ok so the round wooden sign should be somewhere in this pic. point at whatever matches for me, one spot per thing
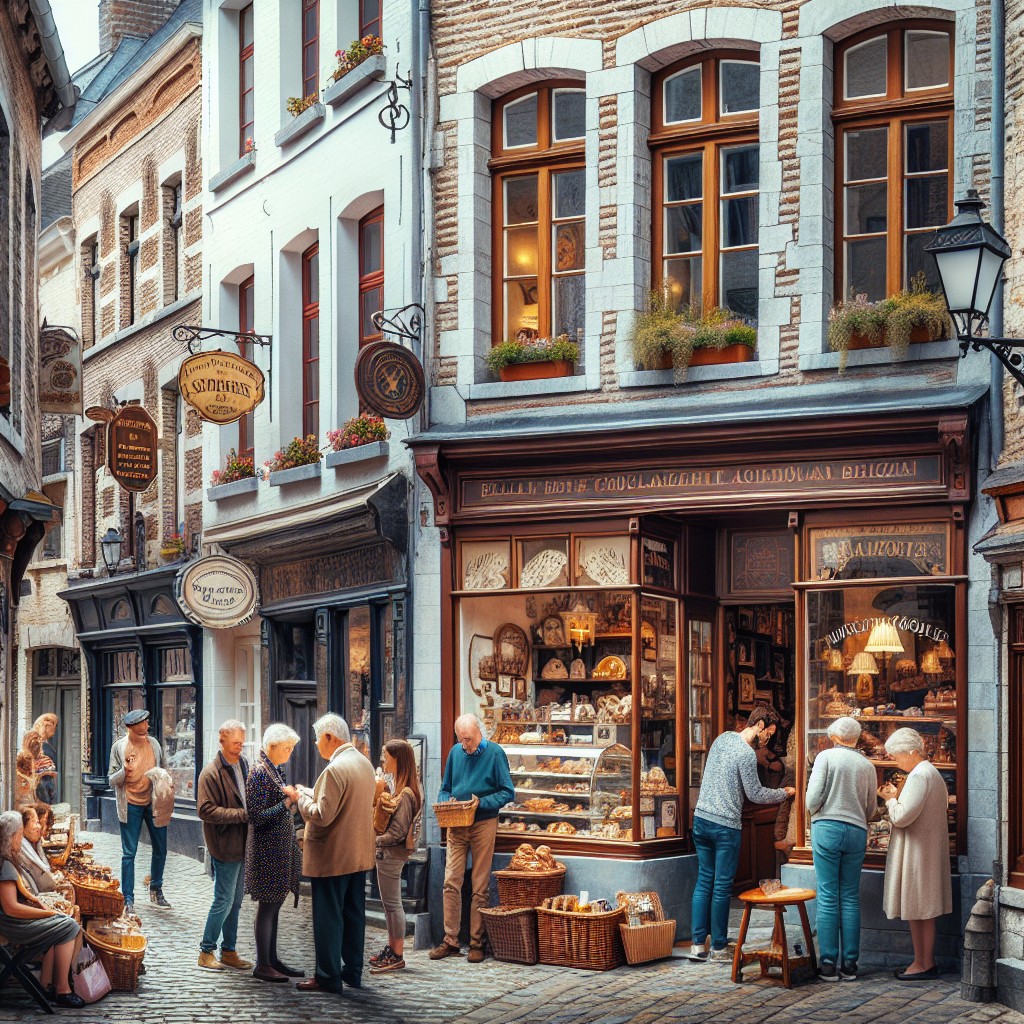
(132, 439)
(389, 380)
(221, 386)
(217, 592)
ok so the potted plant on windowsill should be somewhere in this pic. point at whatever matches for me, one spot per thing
(722, 337)
(355, 53)
(173, 548)
(298, 104)
(533, 360)
(298, 460)
(359, 430)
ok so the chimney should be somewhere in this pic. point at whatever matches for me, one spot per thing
(140, 18)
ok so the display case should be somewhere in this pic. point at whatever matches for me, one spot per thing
(699, 677)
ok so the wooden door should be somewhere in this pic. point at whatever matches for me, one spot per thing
(297, 708)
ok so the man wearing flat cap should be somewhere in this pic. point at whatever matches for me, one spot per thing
(131, 757)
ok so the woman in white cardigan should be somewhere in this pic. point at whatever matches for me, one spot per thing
(917, 876)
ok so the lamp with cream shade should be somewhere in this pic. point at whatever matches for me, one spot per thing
(864, 667)
(884, 640)
(930, 663)
(580, 624)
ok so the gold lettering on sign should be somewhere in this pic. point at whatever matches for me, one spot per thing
(324, 574)
(914, 549)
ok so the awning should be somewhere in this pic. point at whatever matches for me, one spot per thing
(37, 505)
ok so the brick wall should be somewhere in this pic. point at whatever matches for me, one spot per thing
(141, 18)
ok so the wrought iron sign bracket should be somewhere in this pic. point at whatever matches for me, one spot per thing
(406, 322)
(195, 336)
(395, 115)
(1009, 351)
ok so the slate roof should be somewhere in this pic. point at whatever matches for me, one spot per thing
(56, 192)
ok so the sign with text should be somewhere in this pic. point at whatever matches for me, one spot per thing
(60, 371)
(389, 380)
(132, 437)
(217, 592)
(862, 552)
(221, 386)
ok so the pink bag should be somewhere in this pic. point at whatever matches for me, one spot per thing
(90, 976)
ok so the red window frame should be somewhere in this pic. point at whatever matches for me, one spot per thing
(245, 60)
(246, 432)
(370, 25)
(310, 45)
(310, 344)
(370, 279)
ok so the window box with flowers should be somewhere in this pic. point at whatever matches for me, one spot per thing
(533, 360)
(238, 477)
(360, 63)
(307, 112)
(173, 548)
(298, 461)
(360, 439)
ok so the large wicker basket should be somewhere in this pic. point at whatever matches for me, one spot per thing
(649, 940)
(122, 965)
(528, 888)
(456, 813)
(94, 902)
(587, 941)
(513, 933)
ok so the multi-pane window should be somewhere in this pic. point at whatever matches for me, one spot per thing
(246, 81)
(371, 273)
(540, 209)
(246, 445)
(706, 162)
(893, 117)
(131, 229)
(310, 47)
(175, 275)
(311, 341)
(369, 18)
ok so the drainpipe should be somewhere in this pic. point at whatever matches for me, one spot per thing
(996, 199)
(67, 92)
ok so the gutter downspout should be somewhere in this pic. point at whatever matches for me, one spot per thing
(997, 200)
(67, 92)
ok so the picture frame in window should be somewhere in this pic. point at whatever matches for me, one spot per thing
(520, 689)
(745, 652)
(553, 632)
(763, 620)
(602, 561)
(604, 735)
(745, 620)
(486, 565)
(747, 687)
(505, 686)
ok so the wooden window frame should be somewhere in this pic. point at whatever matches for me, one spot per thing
(1015, 719)
(246, 55)
(709, 136)
(894, 111)
(371, 27)
(132, 246)
(246, 430)
(176, 222)
(543, 159)
(310, 312)
(310, 84)
(370, 280)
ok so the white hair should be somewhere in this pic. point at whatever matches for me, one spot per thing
(467, 720)
(231, 725)
(904, 741)
(846, 729)
(278, 732)
(334, 724)
(10, 824)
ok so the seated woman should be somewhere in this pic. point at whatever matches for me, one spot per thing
(25, 922)
(35, 867)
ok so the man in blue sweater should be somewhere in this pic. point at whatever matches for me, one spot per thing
(475, 770)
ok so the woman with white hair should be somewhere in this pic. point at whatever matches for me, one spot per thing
(840, 799)
(917, 876)
(272, 853)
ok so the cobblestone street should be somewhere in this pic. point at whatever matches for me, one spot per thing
(175, 991)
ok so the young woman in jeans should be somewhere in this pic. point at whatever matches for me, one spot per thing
(394, 847)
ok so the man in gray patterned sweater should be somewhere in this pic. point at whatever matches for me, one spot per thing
(729, 775)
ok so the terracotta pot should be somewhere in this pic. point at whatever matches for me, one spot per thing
(918, 336)
(665, 362)
(536, 371)
(738, 353)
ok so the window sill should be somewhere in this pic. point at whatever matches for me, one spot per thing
(371, 70)
(527, 388)
(696, 374)
(243, 165)
(299, 126)
(361, 453)
(49, 562)
(949, 349)
(298, 475)
(9, 434)
(235, 489)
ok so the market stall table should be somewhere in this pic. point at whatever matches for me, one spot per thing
(777, 954)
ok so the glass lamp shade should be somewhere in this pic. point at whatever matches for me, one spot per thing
(580, 623)
(884, 639)
(863, 664)
(110, 546)
(930, 664)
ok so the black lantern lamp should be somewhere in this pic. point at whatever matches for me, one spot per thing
(110, 546)
(969, 255)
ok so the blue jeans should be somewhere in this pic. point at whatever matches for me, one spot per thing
(718, 856)
(130, 832)
(838, 857)
(228, 890)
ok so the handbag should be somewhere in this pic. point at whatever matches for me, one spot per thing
(90, 976)
(383, 812)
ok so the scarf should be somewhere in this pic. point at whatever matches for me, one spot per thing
(29, 852)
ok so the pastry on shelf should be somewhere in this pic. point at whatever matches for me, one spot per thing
(561, 828)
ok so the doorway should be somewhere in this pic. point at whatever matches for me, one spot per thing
(297, 709)
(57, 688)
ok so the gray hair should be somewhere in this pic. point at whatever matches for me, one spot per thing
(904, 741)
(277, 733)
(335, 725)
(846, 729)
(467, 720)
(10, 825)
(231, 725)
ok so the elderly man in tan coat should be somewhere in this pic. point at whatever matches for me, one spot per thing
(337, 851)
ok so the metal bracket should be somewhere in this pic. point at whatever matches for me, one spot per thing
(194, 337)
(395, 115)
(1007, 350)
(401, 323)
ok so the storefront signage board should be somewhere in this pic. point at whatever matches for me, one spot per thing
(659, 557)
(217, 592)
(221, 386)
(60, 371)
(133, 440)
(886, 549)
(359, 566)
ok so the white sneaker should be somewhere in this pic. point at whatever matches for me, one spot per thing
(720, 956)
(698, 954)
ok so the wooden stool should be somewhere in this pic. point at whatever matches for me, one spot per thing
(777, 954)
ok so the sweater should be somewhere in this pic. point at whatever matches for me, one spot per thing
(842, 787)
(483, 774)
(730, 774)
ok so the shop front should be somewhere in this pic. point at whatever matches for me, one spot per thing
(609, 608)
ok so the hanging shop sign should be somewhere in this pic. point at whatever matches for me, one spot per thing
(60, 371)
(389, 380)
(133, 440)
(221, 386)
(217, 592)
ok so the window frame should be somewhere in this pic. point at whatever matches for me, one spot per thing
(310, 313)
(897, 109)
(176, 222)
(309, 43)
(709, 136)
(545, 158)
(1015, 711)
(371, 27)
(246, 424)
(132, 245)
(246, 55)
(370, 280)
(92, 271)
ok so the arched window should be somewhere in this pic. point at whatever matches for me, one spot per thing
(539, 212)
(706, 161)
(893, 115)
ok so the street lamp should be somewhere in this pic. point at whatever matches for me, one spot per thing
(969, 255)
(110, 545)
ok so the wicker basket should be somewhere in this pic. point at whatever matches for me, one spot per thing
(587, 941)
(122, 965)
(98, 902)
(456, 813)
(646, 942)
(512, 933)
(528, 888)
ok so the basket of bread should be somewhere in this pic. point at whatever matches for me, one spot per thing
(646, 935)
(585, 936)
(456, 813)
(531, 877)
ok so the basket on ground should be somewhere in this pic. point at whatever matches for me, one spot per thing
(653, 937)
(528, 888)
(456, 813)
(512, 932)
(122, 965)
(93, 902)
(587, 941)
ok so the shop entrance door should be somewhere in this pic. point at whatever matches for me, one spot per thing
(297, 708)
(61, 694)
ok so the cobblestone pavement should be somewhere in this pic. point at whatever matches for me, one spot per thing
(176, 992)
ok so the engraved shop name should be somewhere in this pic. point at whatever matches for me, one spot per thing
(906, 623)
(224, 596)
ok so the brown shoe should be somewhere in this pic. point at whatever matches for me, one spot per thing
(476, 955)
(210, 962)
(312, 985)
(229, 958)
(268, 974)
(439, 952)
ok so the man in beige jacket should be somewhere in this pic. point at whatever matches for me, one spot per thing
(337, 851)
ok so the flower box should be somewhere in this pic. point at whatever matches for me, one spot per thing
(370, 70)
(918, 336)
(234, 489)
(296, 475)
(362, 452)
(304, 122)
(243, 165)
(536, 371)
(738, 353)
